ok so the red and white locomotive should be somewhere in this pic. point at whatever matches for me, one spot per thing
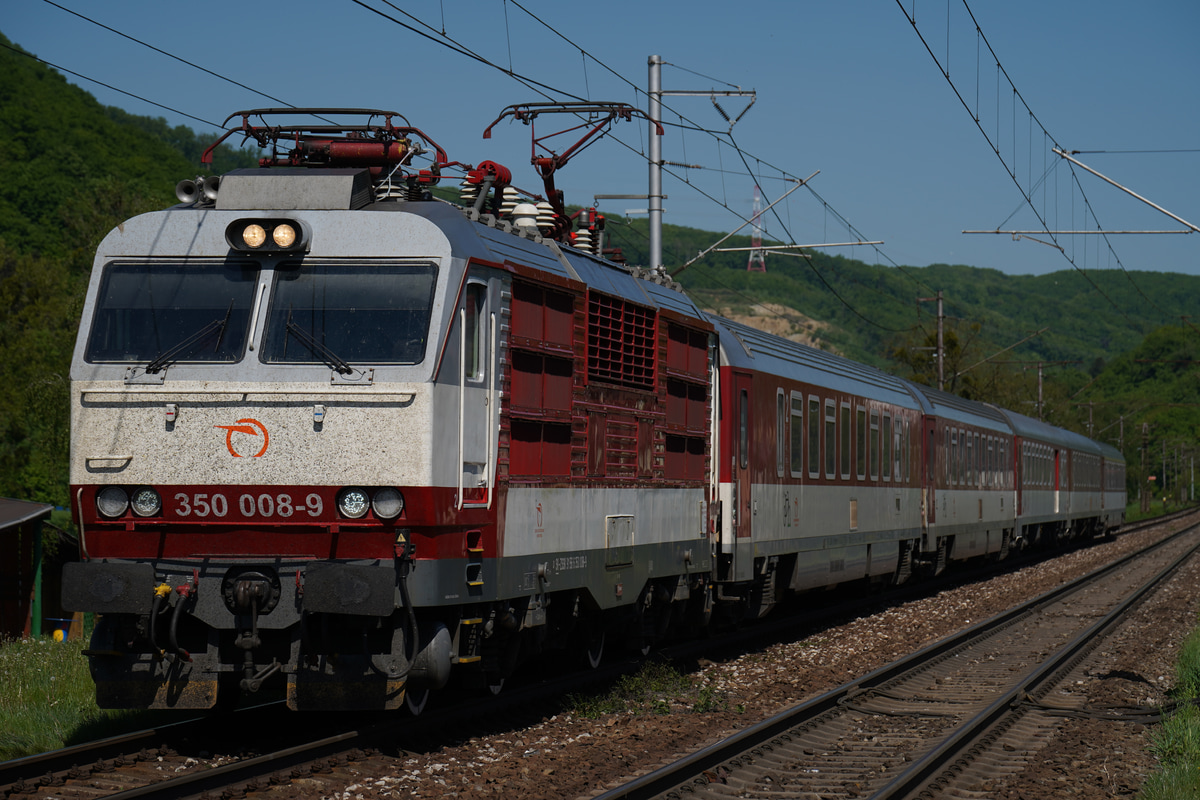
(335, 438)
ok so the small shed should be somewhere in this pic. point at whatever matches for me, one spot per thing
(20, 552)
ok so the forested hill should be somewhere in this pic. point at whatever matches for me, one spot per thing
(866, 311)
(71, 169)
(71, 165)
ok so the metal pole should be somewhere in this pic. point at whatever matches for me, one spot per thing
(1039, 406)
(1155, 206)
(35, 605)
(1145, 483)
(655, 193)
(941, 353)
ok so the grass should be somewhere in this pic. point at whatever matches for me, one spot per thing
(49, 700)
(656, 688)
(1133, 511)
(48, 693)
(1176, 743)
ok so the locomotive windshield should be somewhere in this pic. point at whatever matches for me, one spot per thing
(339, 314)
(163, 313)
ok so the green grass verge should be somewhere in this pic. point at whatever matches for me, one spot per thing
(1176, 743)
(1133, 511)
(48, 693)
(656, 688)
(48, 699)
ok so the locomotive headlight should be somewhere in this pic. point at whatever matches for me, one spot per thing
(262, 235)
(353, 503)
(111, 501)
(388, 503)
(284, 235)
(254, 236)
(145, 502)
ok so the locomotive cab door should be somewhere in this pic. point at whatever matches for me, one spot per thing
(477, 404)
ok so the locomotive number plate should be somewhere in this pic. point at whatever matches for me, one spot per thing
(247, 506)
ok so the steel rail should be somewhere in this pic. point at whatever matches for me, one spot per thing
(676, 774)
(53, 762)
(931, 767)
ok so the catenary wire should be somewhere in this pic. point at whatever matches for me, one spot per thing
(110, 86)
(944, 69)
(169, 55)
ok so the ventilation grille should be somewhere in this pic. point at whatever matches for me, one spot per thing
(621, 340)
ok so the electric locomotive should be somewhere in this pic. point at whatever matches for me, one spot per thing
(334, 438)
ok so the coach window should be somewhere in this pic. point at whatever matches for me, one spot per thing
(943, 457)
(830, 439)
(814, 437)
(964, 452)
(860, 442)
(953, 457)
(972, 452)
(845, 440)
(873, 445)
(993, 477)
(978, 461)
(780, 432)
(797, 437)
(887, 446)
(1006, 467)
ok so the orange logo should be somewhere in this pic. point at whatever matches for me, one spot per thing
(251, 427)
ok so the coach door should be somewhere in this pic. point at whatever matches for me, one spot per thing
(929, 475)
(743, 502)
(1059, 476)
(476, 396)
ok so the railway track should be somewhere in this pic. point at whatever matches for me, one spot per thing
(234, 754)
(946, 721)
(278, 747)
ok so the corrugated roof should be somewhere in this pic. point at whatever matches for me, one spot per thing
(785, 358)
(15, 512)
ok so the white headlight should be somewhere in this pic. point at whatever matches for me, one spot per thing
(284, 235)
(146, 502)
(111, 501)
(254, 236)
(388, 503)
(353, 503)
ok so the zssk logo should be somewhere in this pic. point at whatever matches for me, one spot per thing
(250, 427)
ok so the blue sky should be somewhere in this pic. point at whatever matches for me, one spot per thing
(845, 87)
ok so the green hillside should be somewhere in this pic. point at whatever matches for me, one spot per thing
(870, 310)
(1114, 352)
(71, 170)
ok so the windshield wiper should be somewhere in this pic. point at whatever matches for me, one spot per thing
(163, 359)
(332, 359)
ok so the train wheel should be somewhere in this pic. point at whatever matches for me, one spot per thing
(593, 653)
(495, 685)
(415, 700)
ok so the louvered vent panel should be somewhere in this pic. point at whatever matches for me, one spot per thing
(621, 340)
